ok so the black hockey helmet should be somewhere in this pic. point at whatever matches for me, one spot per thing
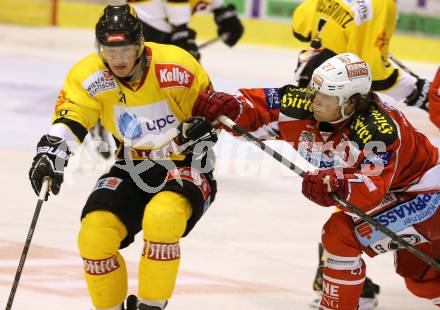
(118, 25)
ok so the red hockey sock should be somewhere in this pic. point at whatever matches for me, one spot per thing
(341, 289)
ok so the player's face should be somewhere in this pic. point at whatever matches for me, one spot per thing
(326, 108)
(121, 59)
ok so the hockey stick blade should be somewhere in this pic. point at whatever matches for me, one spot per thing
(277, 156)
(41, 197)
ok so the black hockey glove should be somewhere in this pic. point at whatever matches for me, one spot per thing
(419, 97)
(229, 26)
(52, 156)
(185, 38)
(193, 131)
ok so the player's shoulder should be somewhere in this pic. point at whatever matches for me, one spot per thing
(87, 67)
(375, 124)
(167, 53)
(295, 102)
(175, 67)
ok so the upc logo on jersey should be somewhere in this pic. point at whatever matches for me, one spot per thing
(173, 75)
(129, 125)
(357, 69)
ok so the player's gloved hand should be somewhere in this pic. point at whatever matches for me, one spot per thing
(419, 97)
(185, 37)
(194, 130)
(52, 156)
(99, 135)
(229, 26)
(318, 187)
(212, 104)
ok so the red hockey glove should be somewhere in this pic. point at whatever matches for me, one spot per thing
(211, 104)
(318, 187)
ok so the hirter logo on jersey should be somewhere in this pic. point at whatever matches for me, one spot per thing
(173, 75)
(357, 69)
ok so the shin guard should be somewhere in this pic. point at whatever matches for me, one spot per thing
(104, 268)
(341, 288)
(163, 224)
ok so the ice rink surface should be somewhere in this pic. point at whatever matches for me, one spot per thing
(256, 248)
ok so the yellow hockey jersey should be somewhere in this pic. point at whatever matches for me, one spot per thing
(362, 27)
(142, 116)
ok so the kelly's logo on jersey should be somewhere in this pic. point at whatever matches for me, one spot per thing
(173, 75)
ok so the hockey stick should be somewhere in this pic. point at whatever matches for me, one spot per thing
(209, 42)
(41, 197)
(401, 242)
(402, 66)
(212, 41)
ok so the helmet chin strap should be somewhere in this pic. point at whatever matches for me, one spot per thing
(342, 103)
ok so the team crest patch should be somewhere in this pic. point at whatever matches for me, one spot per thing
(357, 70)
(99, 82)
(110, 183)
(273, 99)
(173, 75)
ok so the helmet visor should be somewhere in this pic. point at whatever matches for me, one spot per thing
(119, 54)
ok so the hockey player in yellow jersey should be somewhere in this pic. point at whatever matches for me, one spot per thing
(161, 182)
(361, 27)
(166, 21)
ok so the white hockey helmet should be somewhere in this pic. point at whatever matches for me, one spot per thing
(343, 76)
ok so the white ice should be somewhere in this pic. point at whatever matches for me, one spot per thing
(256, 248)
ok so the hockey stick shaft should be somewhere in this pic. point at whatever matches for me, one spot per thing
(212, 41)
(41, 197)
(402, 66)
(277, 156)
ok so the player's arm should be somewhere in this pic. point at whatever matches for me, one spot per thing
(192, 129)
(178, 14)
(366, 184)
(302, 20)
(75, 113)
(258, 110)
(229, 26)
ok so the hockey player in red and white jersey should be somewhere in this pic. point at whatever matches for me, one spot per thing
(367, 153)
(166, 21)
(161, 183)
(364, 28)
